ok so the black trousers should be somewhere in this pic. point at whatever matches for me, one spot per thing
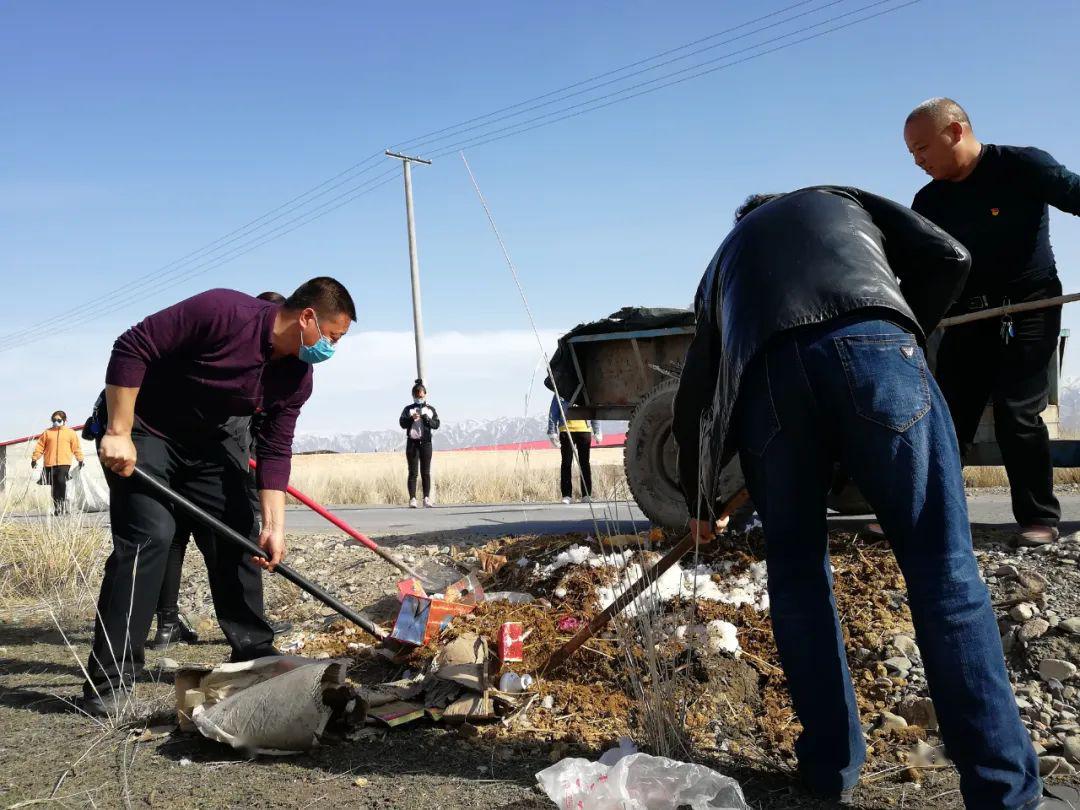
(57, 476)
(143, 527)
(582, 440)
(168, 609)
(975, 366)
(418, 454)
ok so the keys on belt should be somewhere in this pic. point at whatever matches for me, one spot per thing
(975, 303)
(1008, 331)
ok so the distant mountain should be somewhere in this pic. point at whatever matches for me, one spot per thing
(1069, 403)
(470, 433)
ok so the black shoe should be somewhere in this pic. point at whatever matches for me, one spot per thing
(172, 632)
(1059, 797)
(109, 703)
(280, 627)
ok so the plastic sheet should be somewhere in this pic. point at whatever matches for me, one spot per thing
(638, 782)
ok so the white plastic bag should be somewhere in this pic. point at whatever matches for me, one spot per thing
(89, 493)
(638, 782)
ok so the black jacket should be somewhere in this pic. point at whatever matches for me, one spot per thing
(428, 423)
(803, 258)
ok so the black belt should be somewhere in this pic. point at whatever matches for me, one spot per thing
(974, 303)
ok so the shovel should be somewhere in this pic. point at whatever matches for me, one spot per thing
(234, 536)
(434, 577)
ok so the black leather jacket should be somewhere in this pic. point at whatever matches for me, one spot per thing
(429, 419)
(803, 258)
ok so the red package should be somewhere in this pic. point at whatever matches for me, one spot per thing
(410, 587)
(421, 619)
(511, 642)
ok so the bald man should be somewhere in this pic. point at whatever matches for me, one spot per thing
(994, 200)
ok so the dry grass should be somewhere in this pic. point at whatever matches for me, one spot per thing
(460, 476)
(981, 477)
(51, 563)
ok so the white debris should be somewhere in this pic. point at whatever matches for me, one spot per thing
(583, 555)
(717, 637)
(512, 682)
(722, 637)
(746, 588)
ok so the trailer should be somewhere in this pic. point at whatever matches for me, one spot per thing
(627, 367)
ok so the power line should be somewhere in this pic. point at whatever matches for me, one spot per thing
(420, 138)
(90, 310)
(563, 97)
(177, 265)
(213, 264)
(303, 199)
(593, 105)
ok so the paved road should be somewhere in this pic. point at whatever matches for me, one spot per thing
(424, 525)
(427, 525)
(991, 509)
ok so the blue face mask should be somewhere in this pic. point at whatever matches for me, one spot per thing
(321, 349)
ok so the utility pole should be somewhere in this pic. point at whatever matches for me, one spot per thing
(414, 263)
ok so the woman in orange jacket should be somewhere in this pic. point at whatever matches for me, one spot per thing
(59, 445)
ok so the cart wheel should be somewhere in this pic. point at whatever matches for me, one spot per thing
(650, 458)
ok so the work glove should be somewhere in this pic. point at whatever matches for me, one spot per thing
(82, 464)
(554, 439)
(33, 464)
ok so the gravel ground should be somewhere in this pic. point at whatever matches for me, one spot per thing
(47, 751)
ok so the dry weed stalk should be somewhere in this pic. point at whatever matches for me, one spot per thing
(656, 677)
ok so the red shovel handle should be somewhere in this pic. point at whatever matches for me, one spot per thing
(363, 539)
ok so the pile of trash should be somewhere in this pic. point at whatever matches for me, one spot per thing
(475, 655)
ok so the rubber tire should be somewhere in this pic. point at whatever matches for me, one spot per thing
(649, 459)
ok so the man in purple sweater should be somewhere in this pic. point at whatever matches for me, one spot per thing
(173, 381)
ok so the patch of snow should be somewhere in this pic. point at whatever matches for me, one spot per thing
(583, 555)
(746, 588)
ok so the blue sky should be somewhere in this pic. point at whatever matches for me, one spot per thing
(134, 133)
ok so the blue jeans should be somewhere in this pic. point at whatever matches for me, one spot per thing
(859, 392)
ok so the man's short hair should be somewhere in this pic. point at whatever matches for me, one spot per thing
(752, 202)
(941, 111)
(272, 297)
(327, 296)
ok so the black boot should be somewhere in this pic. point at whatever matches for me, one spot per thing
(172, 630)
(105, 702)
